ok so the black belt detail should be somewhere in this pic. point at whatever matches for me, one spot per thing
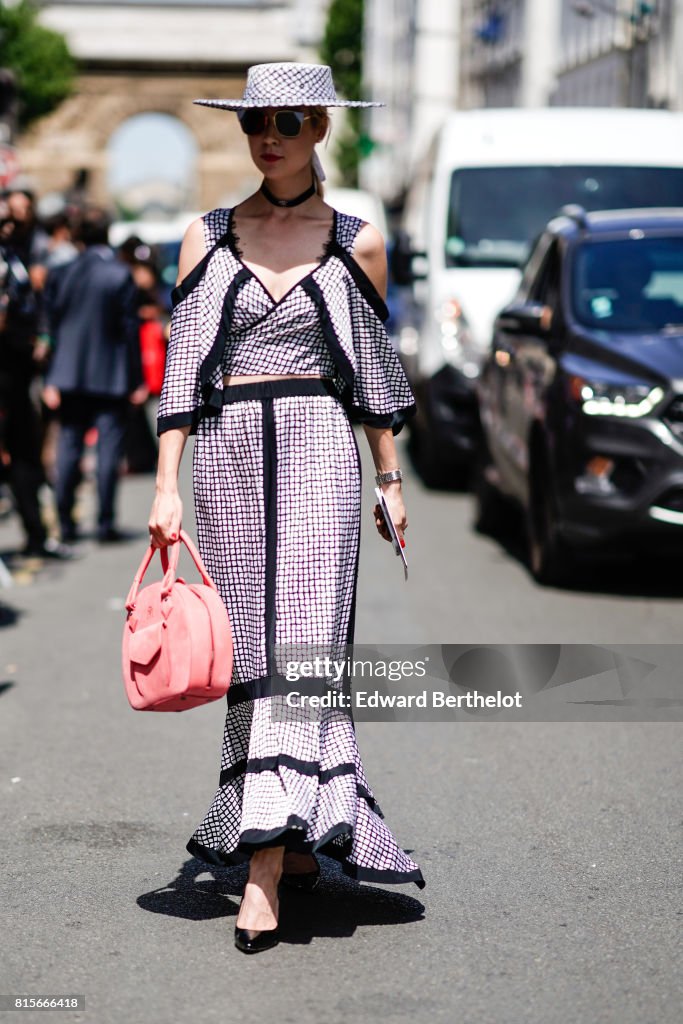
(286, 388)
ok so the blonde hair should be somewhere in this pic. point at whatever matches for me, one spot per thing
(320, 118)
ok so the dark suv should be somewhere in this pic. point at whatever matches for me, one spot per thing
(581, 395)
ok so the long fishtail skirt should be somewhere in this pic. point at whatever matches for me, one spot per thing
(277, 493)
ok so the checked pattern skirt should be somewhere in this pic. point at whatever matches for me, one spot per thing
(277, 494)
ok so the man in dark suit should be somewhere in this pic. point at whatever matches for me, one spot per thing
(95, 369)
(20, 435)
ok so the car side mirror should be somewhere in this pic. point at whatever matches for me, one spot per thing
(533, 318)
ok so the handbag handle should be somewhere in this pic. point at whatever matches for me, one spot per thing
(170, 567)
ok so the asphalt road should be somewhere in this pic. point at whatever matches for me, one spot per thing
(551, 851)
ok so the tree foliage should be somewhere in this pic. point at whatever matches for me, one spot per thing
(40, 59)
(342, 49)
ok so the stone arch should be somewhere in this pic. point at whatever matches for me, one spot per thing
(152, 163)
(75, 136)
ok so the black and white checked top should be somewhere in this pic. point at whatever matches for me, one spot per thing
(331, 322)
(278, 337)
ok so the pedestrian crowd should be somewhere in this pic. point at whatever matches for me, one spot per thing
(83, 332)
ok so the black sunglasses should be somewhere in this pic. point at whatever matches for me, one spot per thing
(288, 123)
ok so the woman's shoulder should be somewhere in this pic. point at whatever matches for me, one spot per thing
(369, 242)
(364, 254)
(358, 236)
(200, 239)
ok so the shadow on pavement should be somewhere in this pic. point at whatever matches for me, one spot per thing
(336, 908)
(8, 616)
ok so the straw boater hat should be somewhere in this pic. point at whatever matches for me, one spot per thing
(288, 84)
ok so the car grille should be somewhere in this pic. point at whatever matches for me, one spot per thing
(673, 417)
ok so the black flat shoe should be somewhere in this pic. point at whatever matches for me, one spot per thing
(112, 535)
(306, 881)
(252, 941)
(52, 549)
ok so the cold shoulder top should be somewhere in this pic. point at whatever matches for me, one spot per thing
(330, 323)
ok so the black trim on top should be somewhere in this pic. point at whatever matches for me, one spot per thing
(178, 419)
(184, 287)
(270, 514)
(365, 285)
(275, 303)
(395, 420)
(212, 397)
(341, 360)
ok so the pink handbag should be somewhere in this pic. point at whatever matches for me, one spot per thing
(177, 640)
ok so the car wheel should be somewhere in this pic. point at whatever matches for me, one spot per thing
(491, 511)
(548, 554)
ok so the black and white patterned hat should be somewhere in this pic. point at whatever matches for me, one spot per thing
(288, 84)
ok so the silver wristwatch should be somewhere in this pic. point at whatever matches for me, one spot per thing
(387, 478)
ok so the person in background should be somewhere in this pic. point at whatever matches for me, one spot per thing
(59, 222)
(153, 316)
(133, 250)
(61, 248)
(95, 370)
(141, 445)
(20, 432)
(29, 240)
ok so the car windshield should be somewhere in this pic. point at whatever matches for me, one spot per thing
(629, 284)
(495, 213)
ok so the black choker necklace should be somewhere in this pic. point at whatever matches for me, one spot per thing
(287, 202)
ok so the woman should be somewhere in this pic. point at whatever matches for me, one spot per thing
(276, 337)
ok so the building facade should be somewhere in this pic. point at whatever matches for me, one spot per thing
(411, 55)
(611, 53)
(620, 54)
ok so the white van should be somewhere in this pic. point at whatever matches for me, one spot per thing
(489, 183)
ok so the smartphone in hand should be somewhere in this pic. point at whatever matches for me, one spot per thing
(391, 527)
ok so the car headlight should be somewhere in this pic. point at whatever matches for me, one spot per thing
(458, 345)
(602, 398)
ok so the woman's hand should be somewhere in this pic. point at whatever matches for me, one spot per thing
(165, 519)
(394, 500)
